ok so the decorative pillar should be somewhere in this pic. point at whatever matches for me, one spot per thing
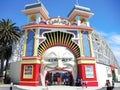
(30, 64)
(25, 42)
(30, 72)
(35, 42)
(87, 70)
(81, 44)
(90, 43)
(87, 64)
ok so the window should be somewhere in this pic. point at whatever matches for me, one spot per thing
(86, 43)
(30, 43)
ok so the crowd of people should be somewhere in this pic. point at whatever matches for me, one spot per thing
(80, 82)
(67, 81)
(59, 79)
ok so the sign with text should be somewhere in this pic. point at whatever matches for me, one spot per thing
(58, 21)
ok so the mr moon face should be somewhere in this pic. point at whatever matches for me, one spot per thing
(58, 59)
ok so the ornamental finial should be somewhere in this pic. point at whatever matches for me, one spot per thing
(38, 0)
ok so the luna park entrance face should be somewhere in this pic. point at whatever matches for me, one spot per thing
(59, 78)
(58, 67)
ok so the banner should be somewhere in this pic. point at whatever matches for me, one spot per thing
(28, 69)
(89, 72)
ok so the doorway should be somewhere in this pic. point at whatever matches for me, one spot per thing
(59, 78)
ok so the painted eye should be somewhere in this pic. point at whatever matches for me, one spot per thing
(65, 59)
(52, 60)
(55, 60)
(49, 60)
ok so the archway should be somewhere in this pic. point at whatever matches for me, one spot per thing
(58, 53)
(59, 38)
(59, 77)
(58, 66)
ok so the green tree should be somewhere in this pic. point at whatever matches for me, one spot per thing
(9, 34)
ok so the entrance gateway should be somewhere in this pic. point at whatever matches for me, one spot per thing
(59, 78)
(58, 66)
(57, 50)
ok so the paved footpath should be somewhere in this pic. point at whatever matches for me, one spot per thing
(117, 87)
(17, 87)
(57, 88)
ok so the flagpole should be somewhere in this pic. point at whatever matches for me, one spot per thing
(77, 2)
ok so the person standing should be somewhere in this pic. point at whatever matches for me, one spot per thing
(86, 84)
(113, 83)
(11, 85)
(108, 85)
(59, 80)
(81, 82)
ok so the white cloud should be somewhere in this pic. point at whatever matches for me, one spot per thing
(116, 51)
(114, 39)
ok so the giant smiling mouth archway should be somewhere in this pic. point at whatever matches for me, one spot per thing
(58, 59)
(59, 77)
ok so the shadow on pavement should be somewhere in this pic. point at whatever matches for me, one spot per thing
(16, 88)
(103, 88)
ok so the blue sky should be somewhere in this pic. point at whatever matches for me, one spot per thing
(106, 20)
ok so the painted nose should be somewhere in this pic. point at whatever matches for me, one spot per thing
(59, 65)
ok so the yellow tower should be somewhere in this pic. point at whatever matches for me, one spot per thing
(80, 15)
(30, 63)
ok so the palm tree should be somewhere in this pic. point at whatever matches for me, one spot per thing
(9, 34)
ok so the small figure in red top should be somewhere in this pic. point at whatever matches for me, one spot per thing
(59, 80)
